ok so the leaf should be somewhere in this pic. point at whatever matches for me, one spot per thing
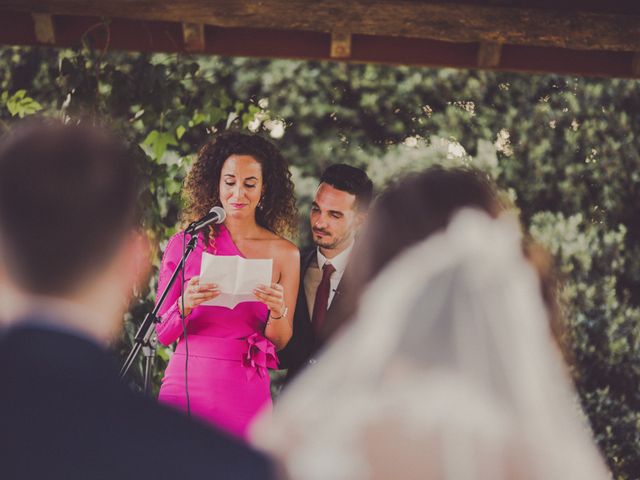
(151, 138)
(225, 101)
(173, 187)
(197, 119)
(163, 352)
(157, 142)
(180, 131)
(246, 119)
(216, 114)
(21, 105)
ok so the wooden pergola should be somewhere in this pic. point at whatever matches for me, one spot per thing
(583, 37)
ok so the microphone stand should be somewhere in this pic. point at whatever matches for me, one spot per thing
(144, 337)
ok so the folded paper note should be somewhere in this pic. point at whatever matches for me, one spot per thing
(236, 276)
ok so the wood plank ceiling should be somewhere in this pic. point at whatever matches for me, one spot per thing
(584, 37)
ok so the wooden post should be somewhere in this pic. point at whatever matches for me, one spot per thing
(340, 45)
(43, 28)
(193, 35)
(489, 54)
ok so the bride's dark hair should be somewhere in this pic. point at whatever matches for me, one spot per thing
(415, 208)
(409, 211)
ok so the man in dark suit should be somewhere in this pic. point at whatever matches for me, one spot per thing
(338, 211)
(70, 257)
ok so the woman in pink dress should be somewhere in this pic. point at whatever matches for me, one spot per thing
(230, 350)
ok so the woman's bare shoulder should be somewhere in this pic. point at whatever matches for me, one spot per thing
(287, 255)
(281, 247)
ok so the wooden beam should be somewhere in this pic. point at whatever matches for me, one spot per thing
(144, 36)
(635, 65)
(340, 45)
(459, 23)
(43, 28)
(193, 36)
(489, 55)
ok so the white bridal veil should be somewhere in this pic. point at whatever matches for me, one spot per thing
(448, 372)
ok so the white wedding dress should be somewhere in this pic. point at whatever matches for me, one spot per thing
(448, 372)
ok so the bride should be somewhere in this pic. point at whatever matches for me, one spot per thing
(447, 372)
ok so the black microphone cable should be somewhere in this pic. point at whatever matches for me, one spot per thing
(184, 327)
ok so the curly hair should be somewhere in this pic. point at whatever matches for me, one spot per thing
(278, 212)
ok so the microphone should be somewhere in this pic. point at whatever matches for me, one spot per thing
(215, 215)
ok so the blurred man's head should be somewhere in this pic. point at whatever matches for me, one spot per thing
(68, 196)
(418, 206)
(339, 208)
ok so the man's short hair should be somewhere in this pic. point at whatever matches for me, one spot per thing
(68, 195)
(352, 180)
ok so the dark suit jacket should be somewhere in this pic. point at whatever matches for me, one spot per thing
(64, 414)
(304, 343)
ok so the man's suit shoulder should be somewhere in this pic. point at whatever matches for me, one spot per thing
(306, 256)
(189, 442)
(93, 426)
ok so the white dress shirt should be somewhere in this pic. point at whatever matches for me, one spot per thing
(313, 275)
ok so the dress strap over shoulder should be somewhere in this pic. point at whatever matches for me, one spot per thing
(225, 244)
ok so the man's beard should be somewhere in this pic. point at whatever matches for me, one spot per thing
(329, 242)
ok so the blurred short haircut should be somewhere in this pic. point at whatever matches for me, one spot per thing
(351, 180)
(68, 196)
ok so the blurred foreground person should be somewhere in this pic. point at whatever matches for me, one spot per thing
(406, 213)
(447, 370)
(70, 257)
(417, 207)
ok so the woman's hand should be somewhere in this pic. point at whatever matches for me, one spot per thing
(197, 293)
(273, 297)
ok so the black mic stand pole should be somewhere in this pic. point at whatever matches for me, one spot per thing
(144, 338)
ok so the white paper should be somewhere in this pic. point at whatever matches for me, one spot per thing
(236, 276)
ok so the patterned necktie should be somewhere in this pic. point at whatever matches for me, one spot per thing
(321, 303)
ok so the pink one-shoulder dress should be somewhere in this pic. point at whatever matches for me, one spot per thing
(229, 356)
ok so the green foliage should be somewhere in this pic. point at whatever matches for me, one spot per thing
(19, 103)
(165, 106)
(604, 329)
(159, 141)
(565, 148)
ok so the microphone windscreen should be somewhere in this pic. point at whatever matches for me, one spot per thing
(221, 213)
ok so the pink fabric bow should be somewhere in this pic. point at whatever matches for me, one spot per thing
(260, 355)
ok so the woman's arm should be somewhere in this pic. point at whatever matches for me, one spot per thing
(281, 297)
(170, 327)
